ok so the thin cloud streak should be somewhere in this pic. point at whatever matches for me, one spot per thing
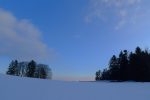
(123, 11)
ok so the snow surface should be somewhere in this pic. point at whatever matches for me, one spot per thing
(16, 88)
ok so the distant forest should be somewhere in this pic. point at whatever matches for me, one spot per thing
(29, 69)
(128, 66)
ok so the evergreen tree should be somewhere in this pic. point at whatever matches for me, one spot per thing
(132, 68)
(31, 69)
(98, 75)
(138, 65)
(13, 68)
(114, 68)
(135, 66)
(123, 63)
(17, 71)
(105, 75)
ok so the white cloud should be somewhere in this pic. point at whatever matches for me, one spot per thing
(20, 39)
(122, 11)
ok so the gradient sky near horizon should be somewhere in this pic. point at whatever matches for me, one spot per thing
(74, 37)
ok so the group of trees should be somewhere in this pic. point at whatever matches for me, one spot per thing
(29, 69)
(128, 66)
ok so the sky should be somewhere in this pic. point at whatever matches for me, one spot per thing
(74, 37)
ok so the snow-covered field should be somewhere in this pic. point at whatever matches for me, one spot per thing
(16, 88)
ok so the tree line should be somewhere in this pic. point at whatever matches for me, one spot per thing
(29, 69)
(128, 66)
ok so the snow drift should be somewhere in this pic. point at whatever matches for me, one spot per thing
(17, 88)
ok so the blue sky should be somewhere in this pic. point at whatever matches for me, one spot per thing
(74, 37)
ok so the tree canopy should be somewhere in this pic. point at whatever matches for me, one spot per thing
(128, 66)
(29, 69)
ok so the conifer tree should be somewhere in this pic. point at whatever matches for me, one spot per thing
(98, 75)
(133, 67)
(31, 69)
(13, 68)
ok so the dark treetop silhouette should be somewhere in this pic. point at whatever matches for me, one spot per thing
(128, 66)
